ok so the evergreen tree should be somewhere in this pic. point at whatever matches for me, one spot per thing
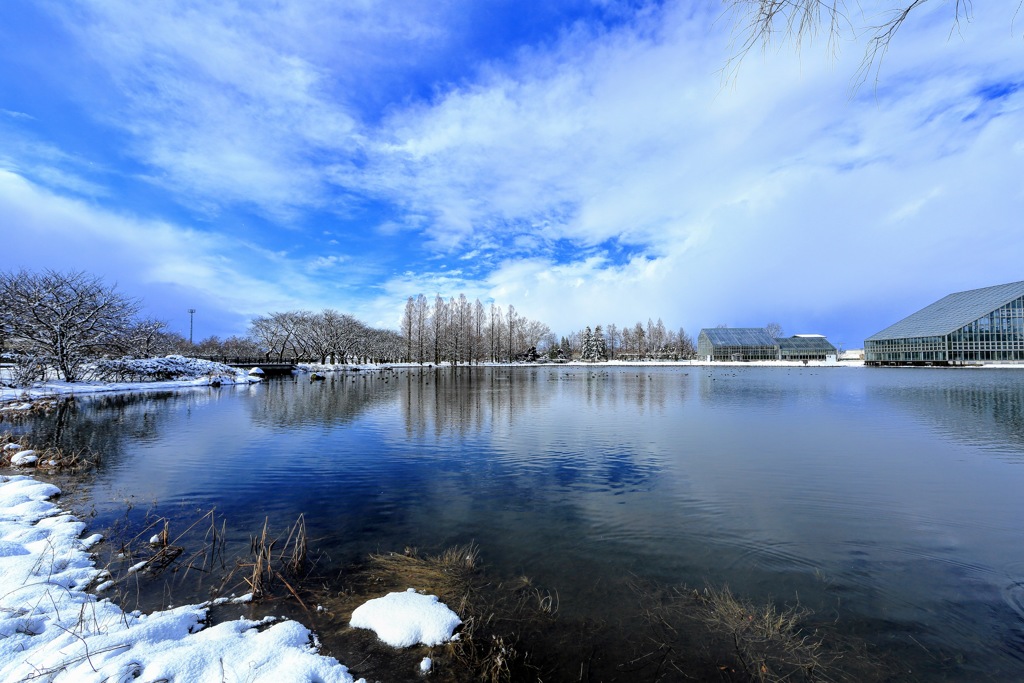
(587, 346)
(600, 348)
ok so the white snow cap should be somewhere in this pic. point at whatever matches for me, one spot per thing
(404, 619)
(24, 458)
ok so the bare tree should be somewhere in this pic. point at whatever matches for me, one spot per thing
(422, 315)
(66, 317)
(146, 339)
(639, 337)
(511, 330)
(774, 330)
(761, 22)
(614, 340)
(408, 324)
(478, 330)
(687, 349)
(495, 328)
(439, 326)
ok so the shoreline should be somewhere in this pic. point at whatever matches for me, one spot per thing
(23, 398)
(53, 625)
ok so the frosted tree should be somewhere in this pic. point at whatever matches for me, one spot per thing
(64, 317)
(587, 352)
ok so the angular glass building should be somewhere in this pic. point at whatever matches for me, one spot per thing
(977, 326)
(736, 343)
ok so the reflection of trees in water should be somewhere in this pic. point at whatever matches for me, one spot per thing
(338, 399)
(104, 422)
(461, 401)
(530, 416)
(977, 414)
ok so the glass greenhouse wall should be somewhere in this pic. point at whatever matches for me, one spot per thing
(736, 343)
(951, 331)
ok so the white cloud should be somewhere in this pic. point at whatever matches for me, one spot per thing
(768, 196)
(233, 104)
(172, 267)
(606, 176)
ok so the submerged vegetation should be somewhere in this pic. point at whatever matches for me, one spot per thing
(512, 629)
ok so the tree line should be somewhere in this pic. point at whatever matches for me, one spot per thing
(56, 322)
(652, 341)
(457, 331)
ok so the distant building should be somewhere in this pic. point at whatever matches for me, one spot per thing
(736, 343)
(806, 347)
(977, 326)
(754, 343)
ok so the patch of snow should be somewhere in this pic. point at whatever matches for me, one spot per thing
(154, 539)
(51, 627)
(137, 566)
(404, 619)
(426, 665)
(256, 371)
(12, 447)
(24, 458)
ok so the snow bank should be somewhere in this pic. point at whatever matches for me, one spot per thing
(404, 619)
(148, 374)
(50, 627)
(159, 369)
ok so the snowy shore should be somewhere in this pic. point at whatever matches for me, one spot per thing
(189, 372)
(52, 627)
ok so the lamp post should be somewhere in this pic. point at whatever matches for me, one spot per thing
(191, 314)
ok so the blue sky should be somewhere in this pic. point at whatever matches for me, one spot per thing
(584, 161)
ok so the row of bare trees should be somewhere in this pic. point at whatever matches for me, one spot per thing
(637, 342)
(457, 331)
(325, 336)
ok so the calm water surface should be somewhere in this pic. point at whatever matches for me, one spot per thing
(889, 500)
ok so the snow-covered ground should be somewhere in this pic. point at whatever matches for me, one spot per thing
(189, 372)
(52, 628)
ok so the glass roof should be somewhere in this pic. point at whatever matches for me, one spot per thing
(951, 312)
(738, 336)
(805, 344)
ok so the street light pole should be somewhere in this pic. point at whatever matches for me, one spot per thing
(191, 314)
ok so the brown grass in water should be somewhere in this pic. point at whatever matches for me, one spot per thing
(490, 645)
(696, 631)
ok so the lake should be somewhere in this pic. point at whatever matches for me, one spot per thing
(889, 501)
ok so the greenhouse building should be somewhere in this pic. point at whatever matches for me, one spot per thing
(806, 347)
(736, 343)
(973, 327)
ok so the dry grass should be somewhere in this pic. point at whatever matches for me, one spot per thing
(51, 459)
(712, 629)
(39, 406)
(498, 618)
(267, 568)
(770, 644)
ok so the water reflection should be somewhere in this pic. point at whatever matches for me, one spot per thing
(866, 489)
(973, 407)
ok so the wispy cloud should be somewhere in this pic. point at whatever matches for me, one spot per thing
(17, 115)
